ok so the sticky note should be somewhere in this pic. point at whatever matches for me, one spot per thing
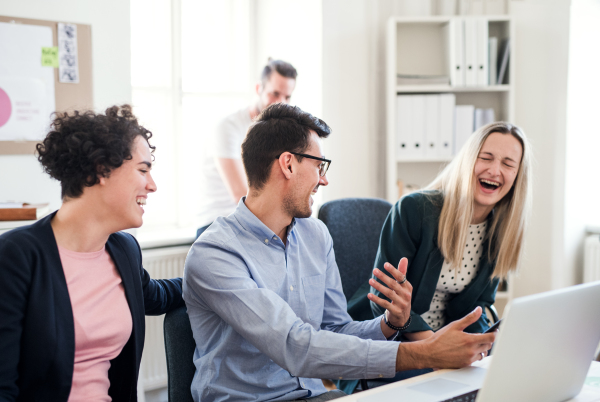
(593, 381)
(50, 56)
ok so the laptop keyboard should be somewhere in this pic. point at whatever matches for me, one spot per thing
(468, 397)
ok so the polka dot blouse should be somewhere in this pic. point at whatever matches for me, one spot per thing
(453, 280)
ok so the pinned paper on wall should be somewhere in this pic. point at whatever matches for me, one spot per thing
(26, 87)
(50, 56)
(68, 69)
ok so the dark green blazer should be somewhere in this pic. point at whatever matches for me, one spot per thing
(410, 231)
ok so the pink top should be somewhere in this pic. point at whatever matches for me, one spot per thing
(102, 319)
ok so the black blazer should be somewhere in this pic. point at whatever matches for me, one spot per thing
(410, 231)
(37, 333)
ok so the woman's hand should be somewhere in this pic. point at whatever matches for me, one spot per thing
(397, 289)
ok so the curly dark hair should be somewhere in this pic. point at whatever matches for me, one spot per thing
(83, 146)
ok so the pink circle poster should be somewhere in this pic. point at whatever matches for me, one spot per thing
(5, 107)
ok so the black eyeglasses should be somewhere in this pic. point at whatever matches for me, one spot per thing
(323, 167)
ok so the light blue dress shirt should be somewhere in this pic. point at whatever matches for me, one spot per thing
(270, 319)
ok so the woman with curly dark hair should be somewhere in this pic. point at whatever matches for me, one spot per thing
(73, 289)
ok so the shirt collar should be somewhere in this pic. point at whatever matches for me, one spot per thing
(252, 224)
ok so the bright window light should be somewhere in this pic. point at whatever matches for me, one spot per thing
(190, 67)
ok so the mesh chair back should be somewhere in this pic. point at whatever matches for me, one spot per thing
(355, 225)
(179, 347)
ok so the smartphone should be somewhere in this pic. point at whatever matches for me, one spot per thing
(494, 327)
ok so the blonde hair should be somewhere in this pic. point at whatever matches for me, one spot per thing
(511, 214)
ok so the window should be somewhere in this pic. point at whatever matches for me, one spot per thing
(190, 66)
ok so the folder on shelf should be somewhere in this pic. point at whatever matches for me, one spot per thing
(483, 117)
(432, 126)
(446, 126)
(470, 52)
(492, 60)
(482, 51)
(417, 149)
(464, 115)
(24, 212)
(503, 61)
(456, 44)
(403, 125)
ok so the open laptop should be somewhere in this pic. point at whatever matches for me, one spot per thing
(542, 353)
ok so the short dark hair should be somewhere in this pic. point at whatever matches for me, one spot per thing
(278, 128)
(283, 68)
(84, 145)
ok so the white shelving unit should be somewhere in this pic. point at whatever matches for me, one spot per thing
(421, 46)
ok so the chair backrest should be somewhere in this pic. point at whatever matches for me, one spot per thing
(355, 226)
(179, 347)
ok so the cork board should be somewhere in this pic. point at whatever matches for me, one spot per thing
(67, 96)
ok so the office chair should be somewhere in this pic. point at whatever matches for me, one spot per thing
(355, 225)
(492, 314)
(179, 347)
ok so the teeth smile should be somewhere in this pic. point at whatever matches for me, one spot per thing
(491, 183)
(141, 201)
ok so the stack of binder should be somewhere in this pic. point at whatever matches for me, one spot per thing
(498, 60)
(467, 120)
(434, 127)
(425, 126)
(469, 52)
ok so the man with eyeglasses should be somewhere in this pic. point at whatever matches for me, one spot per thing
(264, 294)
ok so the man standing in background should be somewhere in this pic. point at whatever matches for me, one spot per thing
(224, 176)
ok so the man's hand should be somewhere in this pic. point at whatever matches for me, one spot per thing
(449, 347)
(397, 289)
(418, 336)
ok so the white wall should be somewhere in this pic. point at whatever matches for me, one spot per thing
(21, 177)
(582, 193)
(541, 48)
(347, 98)
(291, 30)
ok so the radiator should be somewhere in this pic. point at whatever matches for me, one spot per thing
(591, 256)
(161, 263)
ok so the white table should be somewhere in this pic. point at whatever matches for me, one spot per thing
(588, 393)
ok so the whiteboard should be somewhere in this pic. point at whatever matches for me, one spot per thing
(26, 88)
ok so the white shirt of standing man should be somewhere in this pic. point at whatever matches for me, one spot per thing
(277, 89)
